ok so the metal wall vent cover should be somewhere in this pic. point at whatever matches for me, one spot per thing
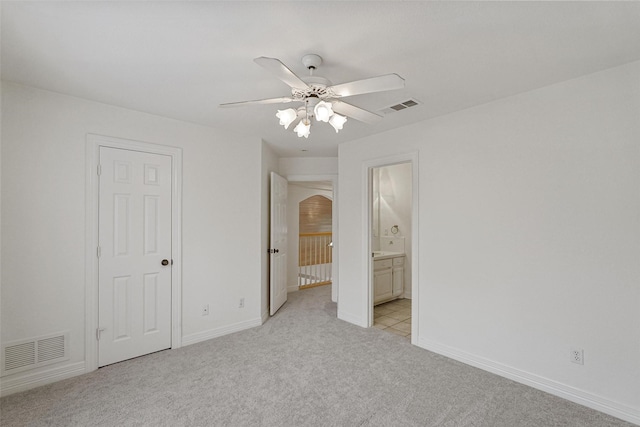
(32, 353)
(400, 106)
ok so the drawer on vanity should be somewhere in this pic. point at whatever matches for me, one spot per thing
(398, 261)
(382, 263)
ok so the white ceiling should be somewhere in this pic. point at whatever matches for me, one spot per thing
(182, 59)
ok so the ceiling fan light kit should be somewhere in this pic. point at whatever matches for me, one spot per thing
(337, 121)
(320, 97)
(323, 111)
(303, 128)
(287, 116)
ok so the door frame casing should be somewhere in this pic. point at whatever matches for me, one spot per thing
(367, 167)
(92, 197)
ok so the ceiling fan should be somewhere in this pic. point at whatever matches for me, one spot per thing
(320, 98)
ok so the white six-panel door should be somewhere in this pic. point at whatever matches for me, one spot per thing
(134, 254)
(278, 243)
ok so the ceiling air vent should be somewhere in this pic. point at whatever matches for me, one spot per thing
(401, 106)
(34, 352)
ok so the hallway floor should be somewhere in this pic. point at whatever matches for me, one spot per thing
(394, 316)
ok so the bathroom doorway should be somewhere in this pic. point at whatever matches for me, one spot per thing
(391, 235)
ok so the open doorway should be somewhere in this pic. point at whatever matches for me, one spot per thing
(315, 241)
(310, 232)
(391, 234)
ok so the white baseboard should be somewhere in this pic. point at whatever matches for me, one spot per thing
(218, 332)
(293, 288)
(573, 394)
(351, 318)
(27, 380)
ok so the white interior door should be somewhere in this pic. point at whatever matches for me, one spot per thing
(278, 243)
(134, 270)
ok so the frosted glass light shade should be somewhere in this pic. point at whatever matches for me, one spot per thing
(303, 128)
(286, 116)
(322, 111)
(337, 121)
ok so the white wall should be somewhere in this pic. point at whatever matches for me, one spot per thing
(1, 120)
(529, 236)
(43, 207)
(290, 166)
(395, 201)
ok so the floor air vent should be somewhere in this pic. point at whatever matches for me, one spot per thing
(34, 352)
(401, 106)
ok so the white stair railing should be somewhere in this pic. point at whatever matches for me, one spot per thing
(314, 259)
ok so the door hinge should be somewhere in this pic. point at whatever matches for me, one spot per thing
(98, 251)
(99, 169)
(98, 332)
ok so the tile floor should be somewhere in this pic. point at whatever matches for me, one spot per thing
(394, 317)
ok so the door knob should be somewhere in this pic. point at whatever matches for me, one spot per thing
(165, 262)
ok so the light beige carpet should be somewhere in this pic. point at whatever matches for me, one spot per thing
(304, 367)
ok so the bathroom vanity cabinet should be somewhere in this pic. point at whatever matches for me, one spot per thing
(388, 278)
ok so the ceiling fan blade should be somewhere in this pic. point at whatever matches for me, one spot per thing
(283, 100)
(281, 71)
(373, 84)
(355, 112)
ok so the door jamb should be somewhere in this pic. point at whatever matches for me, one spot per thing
(92, 153)
(367, 166)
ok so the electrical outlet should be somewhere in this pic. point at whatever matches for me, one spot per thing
(205, 310)
(241, 304)
(577, 356)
